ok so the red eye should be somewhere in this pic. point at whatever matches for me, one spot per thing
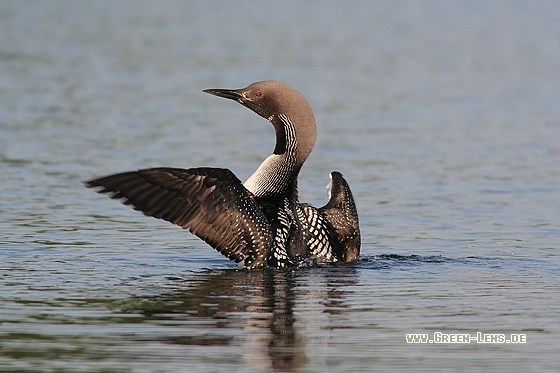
(258, 94)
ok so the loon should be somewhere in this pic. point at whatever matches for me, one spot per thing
(259, 223)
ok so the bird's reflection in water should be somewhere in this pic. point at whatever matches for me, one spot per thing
(261, 304)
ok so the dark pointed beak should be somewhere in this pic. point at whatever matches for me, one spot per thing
(232, 94)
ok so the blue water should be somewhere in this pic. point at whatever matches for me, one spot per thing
(442, 115)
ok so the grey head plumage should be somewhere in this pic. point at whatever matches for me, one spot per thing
(274, 100)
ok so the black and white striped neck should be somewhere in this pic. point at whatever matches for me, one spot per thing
(277, 175)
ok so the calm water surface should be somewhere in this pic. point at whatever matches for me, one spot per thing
(442, 115)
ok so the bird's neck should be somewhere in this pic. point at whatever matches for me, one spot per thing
(278, 174)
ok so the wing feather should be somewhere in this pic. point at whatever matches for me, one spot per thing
(211, 202)
(342, 215)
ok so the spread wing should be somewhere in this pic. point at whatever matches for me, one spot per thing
(211, 202)
(341, 213)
